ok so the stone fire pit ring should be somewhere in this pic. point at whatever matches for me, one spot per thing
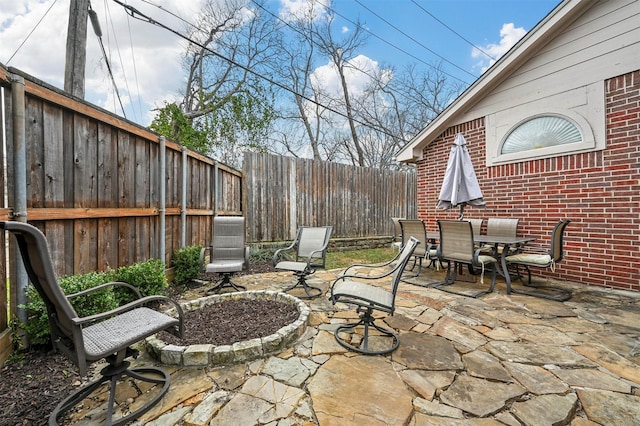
(211, 355)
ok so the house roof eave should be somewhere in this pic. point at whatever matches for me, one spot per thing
(529, 44)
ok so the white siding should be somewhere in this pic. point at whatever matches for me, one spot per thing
(567, 75)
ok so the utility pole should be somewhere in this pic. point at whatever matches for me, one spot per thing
(76, 56)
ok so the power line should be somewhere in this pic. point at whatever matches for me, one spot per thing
(142, 17)
(98, 31)
(31, 32)
(115, 39)
(453, 31)
(413, 39)
(400, 49)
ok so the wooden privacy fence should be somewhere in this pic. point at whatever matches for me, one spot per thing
(105, 192)
(283, 193)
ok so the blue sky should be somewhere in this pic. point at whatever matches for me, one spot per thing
(147, 63)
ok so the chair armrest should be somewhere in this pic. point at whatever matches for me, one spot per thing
(365, 277)
(102, 286)
(132, 305)
(376, 265)
(203, 256)
(281, 252)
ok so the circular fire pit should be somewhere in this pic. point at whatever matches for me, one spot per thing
(208, 354)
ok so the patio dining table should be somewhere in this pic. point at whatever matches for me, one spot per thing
(496, 240)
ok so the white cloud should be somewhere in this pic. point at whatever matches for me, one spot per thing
(509, 36)
(303, 9)
(144, 58)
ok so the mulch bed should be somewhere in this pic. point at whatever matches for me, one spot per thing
(231, 321)
(31, 387)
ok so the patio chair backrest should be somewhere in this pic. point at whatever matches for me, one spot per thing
(456, 240)
(415, 228)
(557, 240)
(502, 227)
(476, 224)
(397, 229)
(313, 242)
(37, 261)
(407, 251)
(228, 238)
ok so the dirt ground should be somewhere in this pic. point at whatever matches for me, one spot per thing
(34, 382)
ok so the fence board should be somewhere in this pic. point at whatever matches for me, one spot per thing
(283, 193)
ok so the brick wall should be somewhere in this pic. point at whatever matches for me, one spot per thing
(598, 191)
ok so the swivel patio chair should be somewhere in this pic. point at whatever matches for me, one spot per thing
(425, 250)
(304, 256)
(227, 253)
(457, 246)
(107, 335)
(349, 288)
(530, 259)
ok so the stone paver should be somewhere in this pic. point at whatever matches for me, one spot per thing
(546, 410)
(496, 360)
(360, 390)
(480, 397)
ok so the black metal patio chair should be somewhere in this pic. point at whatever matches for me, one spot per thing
(425, 251)
(227, 253)
(349, 288)
(107, 335)
(457, 246)
(304, 256)
(530, 259)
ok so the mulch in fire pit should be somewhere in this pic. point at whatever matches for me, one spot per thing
(232, 321)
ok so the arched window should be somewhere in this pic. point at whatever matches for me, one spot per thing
(541, 132)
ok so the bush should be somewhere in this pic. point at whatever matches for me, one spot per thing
(37, 327)
(186, 262)
(147, 276)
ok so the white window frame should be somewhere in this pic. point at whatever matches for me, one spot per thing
(584, 107)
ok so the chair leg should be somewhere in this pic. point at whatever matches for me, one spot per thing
(545, 292)
(225, 282)
(113, 374)
(366, 320)
(311, 291)
(451, 279)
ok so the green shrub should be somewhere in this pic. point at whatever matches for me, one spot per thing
(37, 327)
(186, 262)
(148, 277)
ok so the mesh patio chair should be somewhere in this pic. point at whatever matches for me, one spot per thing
(530, 259)
(349, 288)
(425, 250)
(108, 335)
(457, 247)
(476, 225)
(503, 227)
(304, 256)
(227, 253)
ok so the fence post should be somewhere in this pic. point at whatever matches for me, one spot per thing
(19, 212)
(183, 202)
(293, 202)
(162, 208)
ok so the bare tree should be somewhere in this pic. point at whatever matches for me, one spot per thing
(225, 97)
(341, 53)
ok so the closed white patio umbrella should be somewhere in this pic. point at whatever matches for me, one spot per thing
(460, 185)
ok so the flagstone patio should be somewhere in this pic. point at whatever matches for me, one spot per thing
(495, 360)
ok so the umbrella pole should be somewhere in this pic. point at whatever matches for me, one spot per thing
(461, 212)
